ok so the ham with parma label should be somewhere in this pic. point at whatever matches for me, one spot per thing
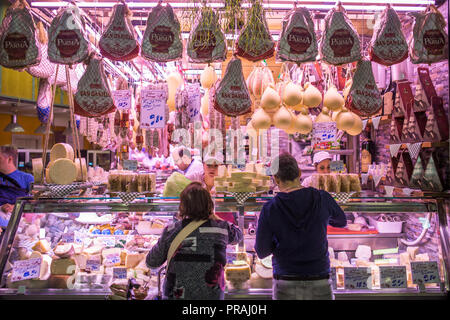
(67, 38)
(93, 97)
(388, 45)
(364, 98)
(429, 42)
(162, 37)
(19, 46)
(231, 93)
(340, 42)
(119, 42)
(255, 42)
(206, 41)
(298, 41)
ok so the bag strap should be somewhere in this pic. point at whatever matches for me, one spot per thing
(187, 230)
(14, 182)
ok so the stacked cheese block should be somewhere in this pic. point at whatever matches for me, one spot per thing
(63, 168)
(252, 179)
(129, 181)
(335, 182)
(238, 272)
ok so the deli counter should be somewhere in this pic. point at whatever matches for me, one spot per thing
(399, 248)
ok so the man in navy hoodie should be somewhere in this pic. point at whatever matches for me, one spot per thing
(293, 228)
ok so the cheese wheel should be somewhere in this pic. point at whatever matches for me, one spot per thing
(62, 151)
(62, 171)
(37, 169)
(80, 163)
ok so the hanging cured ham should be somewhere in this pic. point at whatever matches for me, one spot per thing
(340, 42)
(364, 98)
(19, 46)
(93, 97)
(67, 37)
(119, 42)
(231, 94)
(206, 41)
(162, 38)
(388, 45)
(298, 41)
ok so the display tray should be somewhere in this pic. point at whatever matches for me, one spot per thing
(334, 230)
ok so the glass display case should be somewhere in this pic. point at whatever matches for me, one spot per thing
(79, 246)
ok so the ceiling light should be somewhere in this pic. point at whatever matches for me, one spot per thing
(13, 126)
(42, 129)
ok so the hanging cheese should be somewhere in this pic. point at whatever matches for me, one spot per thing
(174, 81)
(62, 151)
(208, 77)
(292, 95)
(261, 120)
(282, 118)
(312, 96)
(324, 116)
(62, 171)
(37, 169)
(332, 99)
(305, 122)
(270, 100)
(81, 168)
(357, 125)
(344, 120)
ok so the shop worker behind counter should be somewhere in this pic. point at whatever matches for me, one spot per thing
(293, 227)
(196, 270)
(13, 183)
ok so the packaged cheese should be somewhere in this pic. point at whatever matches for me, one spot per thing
(62, 171)
(62, 151)
(37, 170)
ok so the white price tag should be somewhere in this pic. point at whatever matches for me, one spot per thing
(93, 265)
(323, 132)
(26, 269)
(393, 277)
(41, 233)
(356, 278)
(425, 272)
(119, 273)
(109, 242)
(194, 102)
(68, 237)
(122, 99)
(112, 259)
(153, 109)
(78, 237)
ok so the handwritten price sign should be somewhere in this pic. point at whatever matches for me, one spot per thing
(356, 278)
(119, 273)
(393, 277)
(111, 259)
(323, 132)
(194, 102)
(92, 265)
(425, 272)
(122, 99)
(153, 109)
(26, 269)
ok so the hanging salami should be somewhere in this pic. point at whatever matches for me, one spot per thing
(340, 42)
(298, 41)
(162, 38)
(67, 37)
(232, 97)
(206, 41)
(255, 42)
(388, 45)
(364, 98)
(119, 42)
(93, 97)
(19, 47)
(429, 42)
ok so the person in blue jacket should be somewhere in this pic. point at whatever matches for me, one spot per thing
(293, 228)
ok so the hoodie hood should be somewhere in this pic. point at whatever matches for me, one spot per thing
(298, 206)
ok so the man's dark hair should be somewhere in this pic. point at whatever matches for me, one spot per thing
(288, 169)
(184, 151)
(195, 202)
(9, 151)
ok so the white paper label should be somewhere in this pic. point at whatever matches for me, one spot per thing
(112, 259)
(425, 272)
(356, 278)
(78, 237)
(119, 273)
(41, 233)
(393, 277)
(323, 133)
(153, 109)
(122, 99)
(109, 242)
(92, 265)
(26, 269)
(194, 102)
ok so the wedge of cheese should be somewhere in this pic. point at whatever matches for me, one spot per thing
(62, 171)
(62, 151)
(133, 259)
(237, 272)
(42, 246)
(412, 251)
(63, 266)
(81, 260)
(82, 173)
(37, 169)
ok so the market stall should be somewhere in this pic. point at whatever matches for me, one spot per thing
(154, 91)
